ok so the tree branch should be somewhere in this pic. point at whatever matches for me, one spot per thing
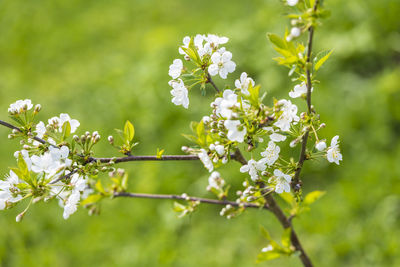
(8, 125)
(180, 197)
(277, 211)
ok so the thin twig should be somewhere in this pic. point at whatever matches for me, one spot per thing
(8, 125)
(296, 183)
(181, 197)
(210, 80)
(145, 158)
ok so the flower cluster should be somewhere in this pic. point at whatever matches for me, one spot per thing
(49, 165)
(207, 57)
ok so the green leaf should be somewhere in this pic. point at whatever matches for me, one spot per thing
(179, 207)
(313, 196)
(124, 182)
(287, 197)
(321, 58)
(286, 237)
(265, 233)
(254, 94)
(66, 130)
(129, 131)
(276, 40)
(91, 199)
(99, 187)
(23, 167)
(159, 153)
(268, 255)
(191, 138)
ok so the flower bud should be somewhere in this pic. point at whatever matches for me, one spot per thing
(320, 146)
(110, 139)
(185, 149)
(224, 160)
(220, 150)
(206, 119)
(15, 131)
(120, 172)
(295, 32)
(38, 107)
(323, 125)
(294, 143)
(20, 216)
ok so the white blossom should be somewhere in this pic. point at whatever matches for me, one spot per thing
(179, 93)
(244, 83)
(220, 150)
(58, 122)
(292, 2)
(295, 32)
(225, 104)
(289, 115)
(40, 129)
(78, 184)
(215, 181)
(253, 167)
(299, 90)
(267, 248)
(282, 181)
(8, 190)
(20, 106)
(320, 146)
(198, 43)
(271, 153)
(221, 64)
(333, 153)
(175, 69)
(206, 119)
(274, 136)
(234, 133)
(52, 161)
(206, 160)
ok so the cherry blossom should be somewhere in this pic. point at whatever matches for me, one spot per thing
(234, 131)
(282, 181)
(20, 106)
(244, 83)
(221, 64)
(175, 69)
(253, 167)
(289, 115)
(203, 156)
(271, 153)
(179, 93)
(333, 153)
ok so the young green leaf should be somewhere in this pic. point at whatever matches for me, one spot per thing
(312, 197)
(321, 58)
(66, 130)
(129, 131)
(91, 200)
(276, 40)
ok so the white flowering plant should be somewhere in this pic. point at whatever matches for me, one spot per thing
(56, 163)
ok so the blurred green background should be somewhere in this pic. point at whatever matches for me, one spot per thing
(107, 61)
